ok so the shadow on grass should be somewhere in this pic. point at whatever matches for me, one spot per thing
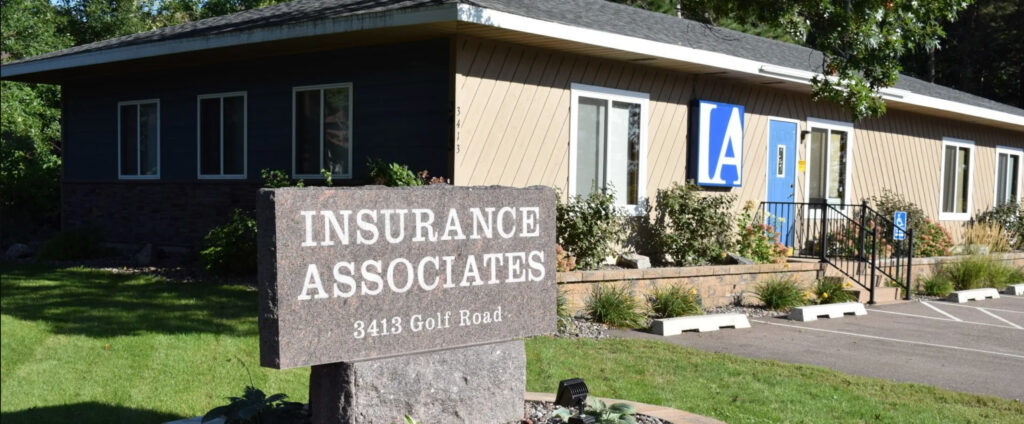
(95, 303)
(85, 413)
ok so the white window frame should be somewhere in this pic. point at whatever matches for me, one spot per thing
(611, 95)
(138, 164)
(1012, 151)
(351, 129)
(830, 125)
(245, 136)
(956, 216)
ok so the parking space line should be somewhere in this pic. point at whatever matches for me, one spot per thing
(977, 307)
(1001, 319)
(941, 319)
(892, 339)
(941, 311)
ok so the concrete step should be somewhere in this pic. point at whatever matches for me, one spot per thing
(883, 295)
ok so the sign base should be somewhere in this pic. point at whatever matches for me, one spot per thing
(479, 384)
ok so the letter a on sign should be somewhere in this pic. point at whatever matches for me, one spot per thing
(719, 153)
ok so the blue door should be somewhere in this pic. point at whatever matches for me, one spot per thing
(781, 177)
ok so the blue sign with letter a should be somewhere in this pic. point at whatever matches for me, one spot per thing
(899, 228)
(717, 160)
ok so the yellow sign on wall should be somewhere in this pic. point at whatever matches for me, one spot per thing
(801, 165)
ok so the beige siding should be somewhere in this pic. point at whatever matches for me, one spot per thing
(512, 126)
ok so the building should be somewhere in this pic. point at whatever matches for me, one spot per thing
(166, 131)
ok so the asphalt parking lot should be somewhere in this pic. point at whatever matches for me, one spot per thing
(977, 347)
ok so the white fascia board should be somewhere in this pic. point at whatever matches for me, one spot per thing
(483, 16)
(366, 21)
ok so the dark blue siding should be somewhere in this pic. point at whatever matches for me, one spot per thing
(400, 109)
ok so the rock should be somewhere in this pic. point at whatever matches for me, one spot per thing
(633, 260)
(145, 256)
(740, 260)
(479, 384)
(18, 251)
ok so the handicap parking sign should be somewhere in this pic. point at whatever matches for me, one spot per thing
(899, 229)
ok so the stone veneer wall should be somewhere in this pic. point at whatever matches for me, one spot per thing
(168, 214)
(720, 284)
(717, 285)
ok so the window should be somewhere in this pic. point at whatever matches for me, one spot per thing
(138, 139)
(1007, 175)
(221, 133)
(322, 136)
(828, 156)
(957, 163)
(780, 161)
(608, 143)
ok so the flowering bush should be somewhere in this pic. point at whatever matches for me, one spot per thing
(694, 226)
(846, 242)
(757, 241)
(589, 227)
(932, 240)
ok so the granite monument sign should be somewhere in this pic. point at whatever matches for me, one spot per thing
(382, 278)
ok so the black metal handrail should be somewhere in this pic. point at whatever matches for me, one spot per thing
(854, 239)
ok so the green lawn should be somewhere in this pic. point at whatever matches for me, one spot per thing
(95, 347)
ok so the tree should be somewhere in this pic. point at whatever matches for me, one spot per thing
(30, 122)
(982, 54)
(862, 41)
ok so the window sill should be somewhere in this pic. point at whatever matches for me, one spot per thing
(138, 177)
(950, 216)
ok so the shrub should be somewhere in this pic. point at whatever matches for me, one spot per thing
(889, 202)
(564, 262)
(562, 305)
(987, 234)
(392, 174)
(1008, 217)
(932, 240)
(975, 272)
(276, 178)
(846, 242)
(230, 249)
(832, 290)
(697, 228)
(780, 294)
(80, 243)
(614, 305)
(675, 301)
(757, 241)
(255, 407)
(937, 285)
(589, 227)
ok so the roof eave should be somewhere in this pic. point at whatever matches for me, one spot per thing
(360, 22)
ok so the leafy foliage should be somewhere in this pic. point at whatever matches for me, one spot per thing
(230, 249)
(933, 240)
(890, 202)
(614, 305)
(757, 241)
(564, 261)
(675, 301)
(255, 407)
(589, 227)
(696, 227)
(1008, 217)
(861, 41)
(392, 174)
(780, 294)
(975, 272)
(79, 243)
(832, 290)
(276, 178)
(936, 285)
(616, 413)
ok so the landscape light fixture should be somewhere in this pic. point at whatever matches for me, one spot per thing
(572, 393)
